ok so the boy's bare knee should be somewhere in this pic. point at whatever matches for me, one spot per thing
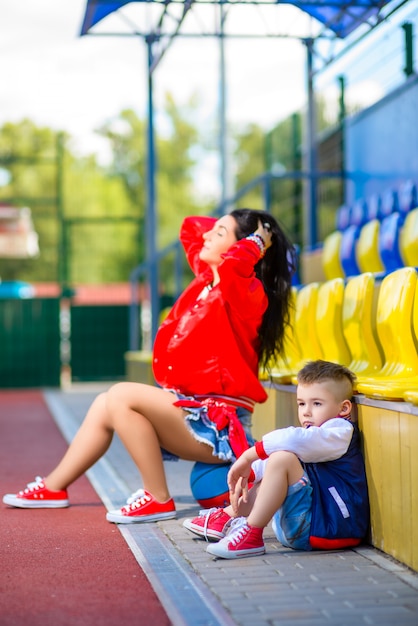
(287, 462)
(284, 458)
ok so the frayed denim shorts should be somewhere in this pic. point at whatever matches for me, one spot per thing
(292, 522)
(205, 431)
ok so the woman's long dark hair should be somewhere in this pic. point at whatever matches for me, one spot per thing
(275, 271)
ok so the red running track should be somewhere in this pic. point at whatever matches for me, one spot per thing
(65, 566)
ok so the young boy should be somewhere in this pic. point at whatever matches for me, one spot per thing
(309, 480)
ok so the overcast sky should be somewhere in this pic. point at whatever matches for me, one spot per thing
(55, 77)
(58, 79)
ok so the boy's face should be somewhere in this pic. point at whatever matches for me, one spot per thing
(318, 403)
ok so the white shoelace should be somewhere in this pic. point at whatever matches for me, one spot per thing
(137, 499)
(36, 484)
(237, 530)
(206, 513)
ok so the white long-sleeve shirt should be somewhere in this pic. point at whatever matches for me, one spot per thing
(315, 444)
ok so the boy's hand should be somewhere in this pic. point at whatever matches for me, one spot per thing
(238, 478)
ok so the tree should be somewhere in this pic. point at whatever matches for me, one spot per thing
(28, 154)
(249, 163)
(174, 171)
(92, 227)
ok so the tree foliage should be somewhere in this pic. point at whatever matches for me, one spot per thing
(90, 219)
(28, 154)
(249, 163)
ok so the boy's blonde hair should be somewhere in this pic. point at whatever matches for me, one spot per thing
(320, 371)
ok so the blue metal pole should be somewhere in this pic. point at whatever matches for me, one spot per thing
(151, 221)
(311, 229)
(267, 193)
(178, 263)
(224, 174)
(134, 315)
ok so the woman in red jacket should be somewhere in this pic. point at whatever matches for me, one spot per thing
(228, 322)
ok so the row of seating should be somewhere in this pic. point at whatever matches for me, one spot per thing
(377, 246)
(400, 200)
(366, 323)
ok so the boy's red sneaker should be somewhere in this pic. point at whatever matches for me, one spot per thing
(37, 496)
(241, 540)
(211, 524)
(142, 507)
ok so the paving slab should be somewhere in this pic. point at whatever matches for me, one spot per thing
(360, 586)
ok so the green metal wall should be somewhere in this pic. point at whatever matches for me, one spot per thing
(99, 340)
(29, 343)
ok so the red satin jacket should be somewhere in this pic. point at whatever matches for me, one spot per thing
(210, 346)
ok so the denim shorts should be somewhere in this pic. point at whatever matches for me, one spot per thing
(205, 431)
(292, 522)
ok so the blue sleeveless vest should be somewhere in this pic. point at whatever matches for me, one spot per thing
(340, 505)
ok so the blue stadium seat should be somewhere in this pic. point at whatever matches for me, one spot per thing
(389, 203)
(359, 212)
(408, 197)
(348, 254)
(343, 217)
(374, 203)
(389, 242)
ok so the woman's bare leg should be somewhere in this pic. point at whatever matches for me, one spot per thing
(89, 444)
(145, 419)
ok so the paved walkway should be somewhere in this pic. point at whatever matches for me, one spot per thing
(360, 586)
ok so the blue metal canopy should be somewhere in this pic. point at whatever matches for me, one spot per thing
(341, 17)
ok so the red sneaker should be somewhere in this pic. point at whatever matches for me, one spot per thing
(142, 507)
(37, 496)
(241, 540)
(211, 524)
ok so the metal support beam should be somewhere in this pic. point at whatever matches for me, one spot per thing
(341, 119)
(151, 220)
(408, 28)
(311, 221)
(223, 133)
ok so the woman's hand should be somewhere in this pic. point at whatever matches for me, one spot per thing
(264, 231)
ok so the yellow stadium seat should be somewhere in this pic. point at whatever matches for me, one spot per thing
(284, 368)
(368, 248)
(411, 387)
(359, 325)
(305, 326)
(305, 341)
(409, 239)
(329, 324)
(331, 263)
(411, 395)
(394, 323)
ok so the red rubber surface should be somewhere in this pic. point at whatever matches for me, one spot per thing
(66, 566)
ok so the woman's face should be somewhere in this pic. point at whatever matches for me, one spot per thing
(218, 240)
